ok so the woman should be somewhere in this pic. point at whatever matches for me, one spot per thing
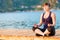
(48, 18)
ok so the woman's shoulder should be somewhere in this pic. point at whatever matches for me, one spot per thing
(42, 14)
(53, 14)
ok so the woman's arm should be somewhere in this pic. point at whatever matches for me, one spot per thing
(40, 23)
(53, 20)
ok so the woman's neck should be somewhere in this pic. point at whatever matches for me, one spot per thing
(47, 12)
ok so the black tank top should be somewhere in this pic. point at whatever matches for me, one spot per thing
(47, 20)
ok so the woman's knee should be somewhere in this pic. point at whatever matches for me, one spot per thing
(36, 30)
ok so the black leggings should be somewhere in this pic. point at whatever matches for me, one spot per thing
(51, 30)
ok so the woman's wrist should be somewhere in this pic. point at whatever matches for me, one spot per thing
(50, 25)
(38, 25)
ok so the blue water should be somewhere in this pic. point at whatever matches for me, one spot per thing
(24, 20)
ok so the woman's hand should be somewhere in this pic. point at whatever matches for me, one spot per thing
(35, 25)
(49, 25)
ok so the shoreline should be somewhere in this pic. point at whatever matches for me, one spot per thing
(28, 10)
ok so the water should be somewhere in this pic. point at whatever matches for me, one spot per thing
(23, 20)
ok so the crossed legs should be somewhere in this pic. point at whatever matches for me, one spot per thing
(38, 31)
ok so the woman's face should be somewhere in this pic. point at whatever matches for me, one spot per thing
(46, 8)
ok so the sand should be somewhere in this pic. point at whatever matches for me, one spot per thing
(24, 34)
(27, 38)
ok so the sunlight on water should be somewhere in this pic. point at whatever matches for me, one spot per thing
(23, 20)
